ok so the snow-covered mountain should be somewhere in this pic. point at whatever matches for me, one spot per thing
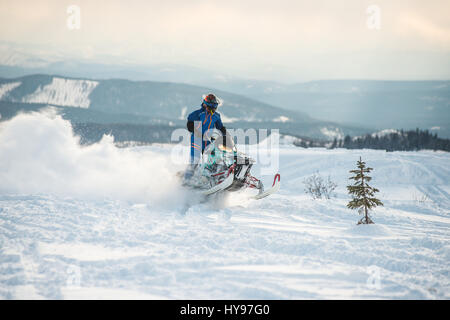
(157, 99)
(102, 222)
(62, 92)
(145, 101)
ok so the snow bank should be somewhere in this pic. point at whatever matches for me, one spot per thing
(40, 154)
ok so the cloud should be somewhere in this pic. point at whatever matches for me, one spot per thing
(417, 26)
(244, 37)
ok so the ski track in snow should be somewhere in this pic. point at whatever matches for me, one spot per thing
(286, 246)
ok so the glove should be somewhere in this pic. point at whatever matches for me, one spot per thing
(224, 136)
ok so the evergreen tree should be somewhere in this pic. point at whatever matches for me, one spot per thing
(347, 142)
(334, 144)
(362, 193)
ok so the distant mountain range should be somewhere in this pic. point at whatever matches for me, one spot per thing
(152, 103)
(375, 104)
(347, 104)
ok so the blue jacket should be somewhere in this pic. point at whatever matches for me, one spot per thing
(210, 121)
(193, 116)
(207, 121)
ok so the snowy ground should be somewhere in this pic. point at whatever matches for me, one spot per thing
(100, 222)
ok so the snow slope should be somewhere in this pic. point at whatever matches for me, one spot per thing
(100, 222)
(64, 92)
(7, 87)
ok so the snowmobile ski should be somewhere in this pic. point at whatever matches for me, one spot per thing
(275, 187)
(221, 186)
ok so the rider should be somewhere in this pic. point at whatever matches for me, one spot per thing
(199, 122)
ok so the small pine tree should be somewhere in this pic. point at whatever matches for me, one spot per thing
(363, 194)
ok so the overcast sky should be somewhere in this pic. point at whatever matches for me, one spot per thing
(283, 40)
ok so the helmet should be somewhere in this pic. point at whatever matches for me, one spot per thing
(211, 101)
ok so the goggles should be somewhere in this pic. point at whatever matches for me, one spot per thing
(211, 105)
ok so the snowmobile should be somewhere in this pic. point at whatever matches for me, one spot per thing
(223, 169)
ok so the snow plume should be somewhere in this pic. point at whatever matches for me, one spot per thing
(40, 155)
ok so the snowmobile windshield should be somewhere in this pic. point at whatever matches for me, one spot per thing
(229, 143)
(225, 148)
